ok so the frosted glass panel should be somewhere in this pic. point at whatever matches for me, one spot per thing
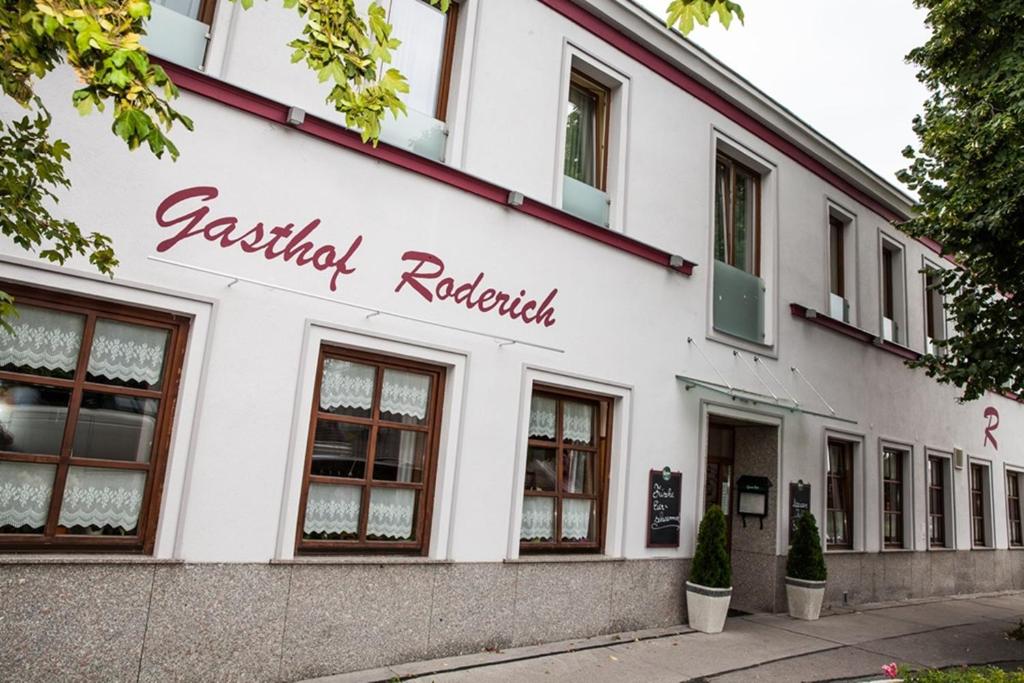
(838, 308)
(738, 303)
(584, 201)
(419, 133)
(176, 37)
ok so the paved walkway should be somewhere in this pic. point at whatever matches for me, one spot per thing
(765, 647)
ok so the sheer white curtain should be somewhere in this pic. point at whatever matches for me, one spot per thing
(577, 422)
(42, 339)
(334, 509)
(392, 513)
(100, 497)
(405, 393)
(538, 518)
(347, 385)
(25, 490)
(127, 352)
(542, 418)
(576, 518)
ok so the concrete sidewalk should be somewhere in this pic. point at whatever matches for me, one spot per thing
(764, 647)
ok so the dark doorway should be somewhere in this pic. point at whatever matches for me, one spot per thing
(718, 479)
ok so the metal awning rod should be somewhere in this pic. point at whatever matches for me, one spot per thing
(817, 393)
(756, 398)
(757, 359)
(753, 372)
(689, 340)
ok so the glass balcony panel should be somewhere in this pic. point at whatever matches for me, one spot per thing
(176, 37)
(585, 201)
(889, 329)
(416, 132)
(738, 307)
(838, 308)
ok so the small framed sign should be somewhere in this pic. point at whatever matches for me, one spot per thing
(799, 503)
(665, 489)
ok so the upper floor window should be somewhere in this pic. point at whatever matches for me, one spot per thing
(892, 290)
(737, 216)
(371, 455)
(566, 471)
(86, 398)
(178, 30)
(426, 53)
(839, 479)
(586, 131)
(934, 309)
(839, 285)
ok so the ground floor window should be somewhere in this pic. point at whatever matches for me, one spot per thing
(937, 475)
(1013, 507)
(839, 527)
(87, 392)
(893, 504)
(566, 471)
(371, 454)
(979, 505)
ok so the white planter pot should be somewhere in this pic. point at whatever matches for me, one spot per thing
(804, 598)
(707, 607)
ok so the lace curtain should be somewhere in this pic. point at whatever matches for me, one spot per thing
(127, 352)
(334, 509)
(577, 420)
(351, 385)
(25, 490)
(538, 521)
(346, 385)
(42, 339)
(102, 497)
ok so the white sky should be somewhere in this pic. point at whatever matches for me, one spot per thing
(836, 64)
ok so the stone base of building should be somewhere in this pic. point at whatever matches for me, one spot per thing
(146, 620)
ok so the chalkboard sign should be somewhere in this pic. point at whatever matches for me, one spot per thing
(799, 503)
(665, 491)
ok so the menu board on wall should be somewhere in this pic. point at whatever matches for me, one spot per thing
(799, 503)
(663, 499)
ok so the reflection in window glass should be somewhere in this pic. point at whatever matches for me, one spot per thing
(541, 473)
(339, 449)
(115, 427)
(32, 418)
(399, 455)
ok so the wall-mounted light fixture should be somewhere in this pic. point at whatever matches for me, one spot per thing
(515, 198)
(296, 116)
(676, 261)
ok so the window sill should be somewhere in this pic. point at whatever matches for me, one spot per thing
(16, 558)
(943, 549)
(555, 559)
(983, 547)
(358, 560)
(844, 551)
(897, 550)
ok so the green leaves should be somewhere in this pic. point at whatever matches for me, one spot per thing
(968, 171)
(684, 14)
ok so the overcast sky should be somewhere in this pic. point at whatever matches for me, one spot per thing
(837, 64)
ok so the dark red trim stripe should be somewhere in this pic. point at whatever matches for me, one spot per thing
(630, 47)
(235, 97)
(820, 319)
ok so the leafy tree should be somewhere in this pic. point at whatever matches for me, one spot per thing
(711, 564)
(805, 560)
(968, 172)
(683, 14)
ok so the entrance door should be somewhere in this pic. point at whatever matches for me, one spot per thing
(718, 477)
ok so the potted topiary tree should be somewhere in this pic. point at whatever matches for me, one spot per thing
(709, 589)
(805, 570)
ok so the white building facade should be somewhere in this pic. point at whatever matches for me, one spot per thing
(344, 406)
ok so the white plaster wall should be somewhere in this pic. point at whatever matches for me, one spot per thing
(622, 321)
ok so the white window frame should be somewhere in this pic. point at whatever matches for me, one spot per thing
(723, 143)
(856, 441)
(949, 501)
(850, 251)
(907, 451)
(900, 318)
(617, 82)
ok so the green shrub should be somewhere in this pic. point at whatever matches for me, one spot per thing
(711, 565)
(805, 560)
(988, 674)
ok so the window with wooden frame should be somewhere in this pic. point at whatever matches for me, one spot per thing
(371, 454)
(737, 215)
(937, 502)
(837, 256)
(979, 522)
(934, 309)
(586, 131)
(893, 466)
(200, 10)
(566, 490)
(839, 480)
(1013, 508)
(87, 394)
(426, 54)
